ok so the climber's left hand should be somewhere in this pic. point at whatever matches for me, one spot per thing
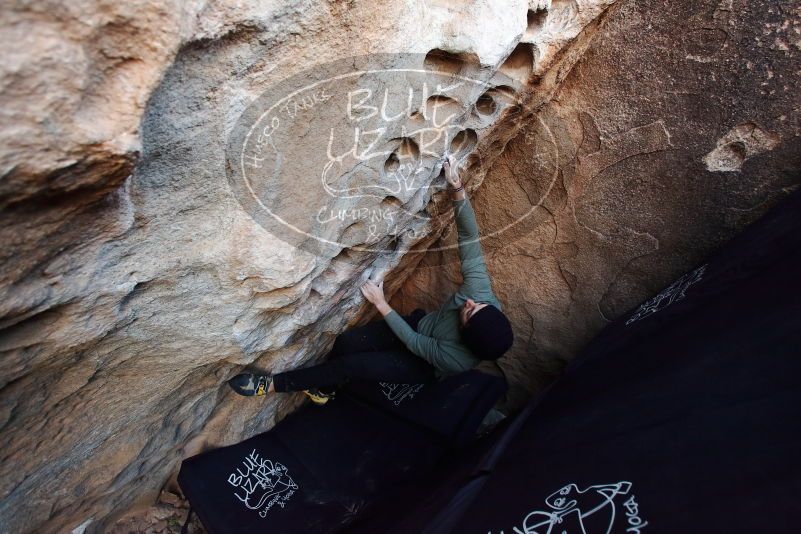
(374, 293)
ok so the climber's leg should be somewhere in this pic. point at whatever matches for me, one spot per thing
(252, 385)
(398, 365)
(375, 336)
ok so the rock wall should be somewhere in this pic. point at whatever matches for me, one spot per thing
(678, 127)
(134, 282)
(642, 136)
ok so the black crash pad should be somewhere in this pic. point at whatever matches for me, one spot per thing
(319, 468)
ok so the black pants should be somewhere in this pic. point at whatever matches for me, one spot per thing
(370, 353)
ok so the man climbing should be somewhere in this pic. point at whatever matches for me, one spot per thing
(468, 327)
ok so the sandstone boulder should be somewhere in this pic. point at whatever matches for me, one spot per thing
(135, 281)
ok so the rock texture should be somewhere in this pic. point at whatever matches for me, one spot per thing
(658, 147)
(134, 284)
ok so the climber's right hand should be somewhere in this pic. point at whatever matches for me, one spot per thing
(452, 173)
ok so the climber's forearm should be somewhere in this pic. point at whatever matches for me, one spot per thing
(466, 224)
(383, 308)
(475, 277)
(426, 347)
(402, 330)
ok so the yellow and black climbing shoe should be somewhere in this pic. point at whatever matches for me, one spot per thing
(317, 396)
(250, 385)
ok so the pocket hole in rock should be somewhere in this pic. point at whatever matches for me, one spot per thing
(463, 143)
(392, 164)
(535, 21)
(449, 63)
(520, 63)
(408, 149)
(442, 110)
(485, 104)
(390, 202)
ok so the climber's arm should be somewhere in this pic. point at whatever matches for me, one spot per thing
(470, 254)
(476, 282)
(428, 348)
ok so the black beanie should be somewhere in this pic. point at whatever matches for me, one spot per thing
(488, 333)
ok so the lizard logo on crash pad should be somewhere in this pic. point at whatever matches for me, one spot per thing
(673, 293)
(599, 509)
(261, 483)
(397, 393)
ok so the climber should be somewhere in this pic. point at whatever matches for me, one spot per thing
(468, 327)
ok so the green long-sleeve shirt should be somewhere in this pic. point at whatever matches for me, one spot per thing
(438, 340)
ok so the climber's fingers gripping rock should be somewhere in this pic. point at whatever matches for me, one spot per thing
(452, 172)
(374, 293)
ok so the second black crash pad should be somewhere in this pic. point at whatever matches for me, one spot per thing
(319, 468)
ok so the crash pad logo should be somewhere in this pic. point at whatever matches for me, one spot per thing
(397, 393)
(600, 509)
(673, 293)
(349, 153)
(261, 483)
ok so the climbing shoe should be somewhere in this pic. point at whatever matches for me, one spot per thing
(250, 385)
(317, 396)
